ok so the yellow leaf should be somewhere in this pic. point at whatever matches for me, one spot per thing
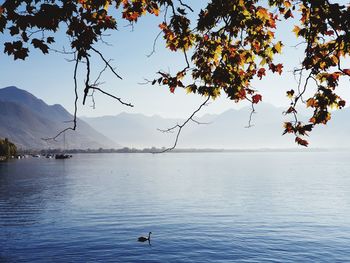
(278, 46)
(262, 13)
(263, 62)
(335, 60)
(296, 30)
(287, 4)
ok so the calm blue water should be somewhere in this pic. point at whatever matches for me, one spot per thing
(207, 207)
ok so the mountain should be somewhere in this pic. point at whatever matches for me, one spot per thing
(134, 130)
(25, 120)
(227, 130)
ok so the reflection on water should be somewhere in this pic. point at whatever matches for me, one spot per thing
(222, 207)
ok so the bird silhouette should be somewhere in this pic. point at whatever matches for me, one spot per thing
(143, 239)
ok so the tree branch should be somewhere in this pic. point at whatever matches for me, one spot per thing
(180, 126)
(107, 62)
(75, 106)
(112, 96)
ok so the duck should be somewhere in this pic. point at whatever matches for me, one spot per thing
(143, 239)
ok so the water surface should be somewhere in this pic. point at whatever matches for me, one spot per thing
(201, 207)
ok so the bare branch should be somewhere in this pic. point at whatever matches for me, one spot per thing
(75, 107)
(107, 62)
(112, 96)
(87, 86)
(251, 115)
(154, 45)
(180, 126)
(185, 5)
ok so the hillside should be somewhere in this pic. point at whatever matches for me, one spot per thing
(25, 120)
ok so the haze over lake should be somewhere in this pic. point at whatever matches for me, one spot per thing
(203, 207)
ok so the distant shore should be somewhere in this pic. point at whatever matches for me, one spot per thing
(184, 150)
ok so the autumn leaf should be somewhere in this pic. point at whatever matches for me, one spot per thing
(256, 98)
(50, 40)
(346, 71)
(287, 4)
(329, 33)
(40, 44)
(278, 46)
(288, 128)
(341, 103)
(296, 30)
(288, 14)
(290, 94)
(261, 73)
(311, 103)
(301, 142)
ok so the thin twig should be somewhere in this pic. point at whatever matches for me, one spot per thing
(185, 5)
(75, 107)
(180, 126)
(107, 63)
(251, 115)
(112, 96)
(154, 45)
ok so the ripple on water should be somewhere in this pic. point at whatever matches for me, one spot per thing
(92, 208)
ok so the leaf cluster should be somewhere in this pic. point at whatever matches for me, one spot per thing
(231, 43)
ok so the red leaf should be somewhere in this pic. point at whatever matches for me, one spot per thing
(329, 33)
(279, 68)
(346, 71)
(261, 73)
(256, 98)
(301, 142)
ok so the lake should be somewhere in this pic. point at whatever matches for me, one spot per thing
(200, 207)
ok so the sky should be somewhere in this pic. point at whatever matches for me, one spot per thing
(50, 77)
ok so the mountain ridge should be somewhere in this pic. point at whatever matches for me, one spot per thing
(27, 119)
(226, 130)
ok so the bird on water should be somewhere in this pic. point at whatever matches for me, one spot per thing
(143, 239)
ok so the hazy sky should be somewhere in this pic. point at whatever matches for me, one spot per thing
(50, 77)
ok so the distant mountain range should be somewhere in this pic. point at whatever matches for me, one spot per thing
(25, 120)
(227, 130)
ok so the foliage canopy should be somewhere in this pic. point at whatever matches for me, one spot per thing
(231, 43)
(7, 148)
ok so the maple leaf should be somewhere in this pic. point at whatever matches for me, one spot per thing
(288, 128)
(342, 103)
(278, 46)
(329, 33)
(287, 4)
(311, 103)
(291, 109)
(50, 40)
(21, 53)
(261, 73)
(40, 44)
(290, 94)
(346, 71)
(279, 68)
(296, 30)
(301, 142)
(288, 14)
(256, 98)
